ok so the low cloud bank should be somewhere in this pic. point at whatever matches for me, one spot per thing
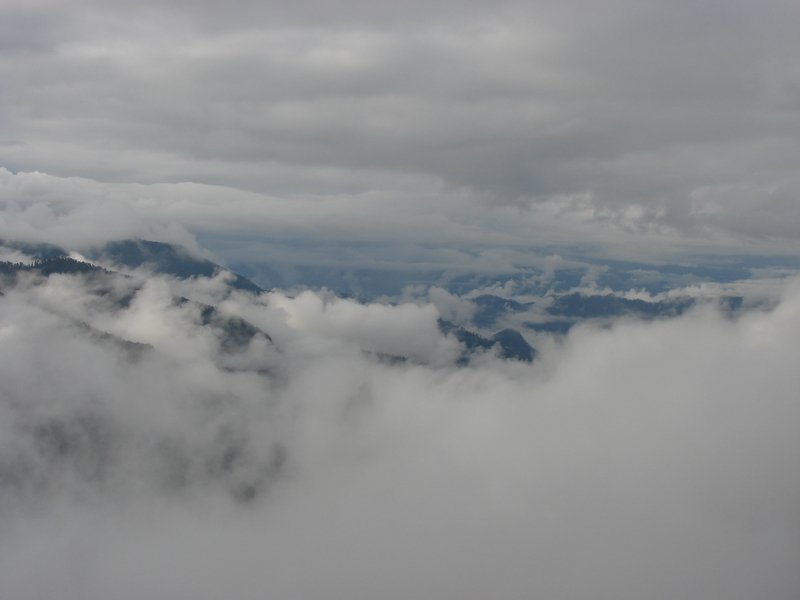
(141, 454)
(430, 229)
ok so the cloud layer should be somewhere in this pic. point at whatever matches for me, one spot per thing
(307, 446)
(621, 119)
(645, 459)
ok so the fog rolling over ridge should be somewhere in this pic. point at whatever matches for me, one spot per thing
(441, 300)
(146, 452)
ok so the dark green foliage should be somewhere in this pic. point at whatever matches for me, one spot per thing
(50, 266)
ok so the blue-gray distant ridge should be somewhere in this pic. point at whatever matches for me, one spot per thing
(167, 259)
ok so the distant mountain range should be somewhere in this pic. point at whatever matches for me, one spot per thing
(558, 313)
(509, 342)
(165, 259)
(234, 333)
(158, 257)
(488, 328)
(583, 306)
(489, 308)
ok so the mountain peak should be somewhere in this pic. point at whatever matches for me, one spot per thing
(167, 259)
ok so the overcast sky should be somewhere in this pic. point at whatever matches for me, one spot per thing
(630, 460)
(629, 124)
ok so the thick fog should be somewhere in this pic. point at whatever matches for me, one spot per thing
(144, 454)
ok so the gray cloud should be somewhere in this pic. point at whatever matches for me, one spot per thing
(649, 459)
(341, 453)
(427, 229)
(638, 109)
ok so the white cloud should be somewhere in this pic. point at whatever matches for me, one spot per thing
(645, 459)
(451, 307)
(405, 330)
